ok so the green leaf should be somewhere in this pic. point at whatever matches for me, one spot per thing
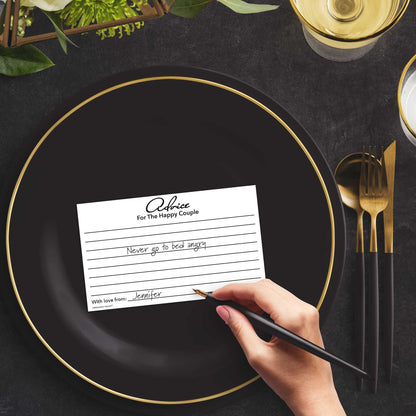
(56, 20)
(22, 60)
(240, 6)
(189, 8)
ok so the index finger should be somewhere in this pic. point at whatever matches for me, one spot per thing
(273, 299)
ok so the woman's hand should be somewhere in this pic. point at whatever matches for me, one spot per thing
(302, 380)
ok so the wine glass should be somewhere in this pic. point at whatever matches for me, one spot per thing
(406, 97)
(344, 30)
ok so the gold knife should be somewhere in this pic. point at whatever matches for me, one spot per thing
(390, 162)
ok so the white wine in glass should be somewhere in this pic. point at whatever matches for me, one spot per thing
(350, 27)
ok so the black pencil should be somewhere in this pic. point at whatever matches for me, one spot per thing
(263, 324)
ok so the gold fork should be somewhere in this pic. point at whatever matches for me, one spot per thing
(373, 199)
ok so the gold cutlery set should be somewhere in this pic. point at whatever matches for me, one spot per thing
(366, 184)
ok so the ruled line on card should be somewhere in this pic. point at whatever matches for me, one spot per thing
(174, 287)
(161, 242)
(173, 223)
(171, 232)
(173, 268)
(166, 260)
(171, 251)
(177, 277)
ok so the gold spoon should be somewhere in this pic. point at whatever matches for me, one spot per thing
(347, 176)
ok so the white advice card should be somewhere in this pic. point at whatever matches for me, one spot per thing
(156, 249)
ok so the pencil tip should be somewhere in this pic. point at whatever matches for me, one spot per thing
(200, 292)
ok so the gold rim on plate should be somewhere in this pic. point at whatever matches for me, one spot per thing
(73, 110)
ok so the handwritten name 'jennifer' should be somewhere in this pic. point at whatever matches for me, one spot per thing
(148, 295)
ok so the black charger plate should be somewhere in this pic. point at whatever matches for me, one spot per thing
(157, 131)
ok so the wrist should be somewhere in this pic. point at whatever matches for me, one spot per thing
(318, 404)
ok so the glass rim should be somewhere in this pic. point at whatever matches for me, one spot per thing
(399, 94)
(351, 40)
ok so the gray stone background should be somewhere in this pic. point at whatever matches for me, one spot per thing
(342, 105)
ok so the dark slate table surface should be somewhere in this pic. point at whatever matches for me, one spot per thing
(342, 105)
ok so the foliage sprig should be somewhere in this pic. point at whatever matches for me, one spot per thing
(85, 12)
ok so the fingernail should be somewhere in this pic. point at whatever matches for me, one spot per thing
(223, 313)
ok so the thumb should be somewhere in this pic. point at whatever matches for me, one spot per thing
(241, 328)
